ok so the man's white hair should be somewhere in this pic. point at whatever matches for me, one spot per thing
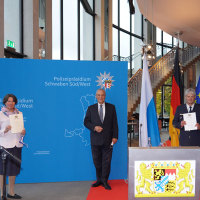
(190, 90)
(101, 89)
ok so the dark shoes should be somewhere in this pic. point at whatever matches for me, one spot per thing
(106, 186)
(96, 184)
(16, 196)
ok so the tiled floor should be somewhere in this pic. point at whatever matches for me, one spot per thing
(76, 190)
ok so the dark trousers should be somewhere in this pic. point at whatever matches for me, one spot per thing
(189, 138)
(102, 155)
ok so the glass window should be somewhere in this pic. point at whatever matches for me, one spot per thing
(42, 24)
(185, 45)
(158, 35)
(115, 43)
(70, 30)
(180, 43)
(163, 102)
(55, 29)
(124, 45)
(167, 39)
(86, 34)
(158, 52)
(124, 15)
(167, 100)
(175, 41)
(91, 3)
(115, 12)
(159, 102)
(137, 54)
(42, 13)
(166, 50)
(12, 23)
(137, 21)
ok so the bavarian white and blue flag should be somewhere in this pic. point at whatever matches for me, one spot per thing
(148, 122)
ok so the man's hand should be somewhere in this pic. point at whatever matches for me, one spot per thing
(114, 140)
(198, 126)
(98, 129)
(183, 123)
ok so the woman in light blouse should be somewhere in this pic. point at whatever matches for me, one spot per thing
(10, 141)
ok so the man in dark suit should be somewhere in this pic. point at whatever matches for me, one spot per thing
(192, 137)
(101, 120)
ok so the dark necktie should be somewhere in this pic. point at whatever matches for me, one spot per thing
(190, 109)
(101, 113)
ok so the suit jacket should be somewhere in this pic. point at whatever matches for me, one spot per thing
(187, 138)
(109, 125)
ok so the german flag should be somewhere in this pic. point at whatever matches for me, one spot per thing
(176, 100)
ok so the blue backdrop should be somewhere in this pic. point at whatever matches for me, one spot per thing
(54, 96)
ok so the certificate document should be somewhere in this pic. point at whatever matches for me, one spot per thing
(17, 123)
(191, 121)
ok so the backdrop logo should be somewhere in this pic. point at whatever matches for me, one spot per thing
(105, 81)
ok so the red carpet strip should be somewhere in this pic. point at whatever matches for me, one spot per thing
(119, 191)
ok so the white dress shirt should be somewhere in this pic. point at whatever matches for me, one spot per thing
(188, 107)
(8, 140)
(104, 109)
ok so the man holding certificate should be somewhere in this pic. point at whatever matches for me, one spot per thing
(187, 119)
(11, 134)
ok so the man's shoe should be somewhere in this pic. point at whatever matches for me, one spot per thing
(106, 186)
(16, 196)
(96, 184)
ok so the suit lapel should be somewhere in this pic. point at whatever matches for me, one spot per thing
(106, 112)
(194, 108)
(97, 112)
(185, 109)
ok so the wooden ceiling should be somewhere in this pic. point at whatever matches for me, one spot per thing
(173, 16)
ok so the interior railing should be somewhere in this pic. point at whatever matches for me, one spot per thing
(189, 54)
(161, 69)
